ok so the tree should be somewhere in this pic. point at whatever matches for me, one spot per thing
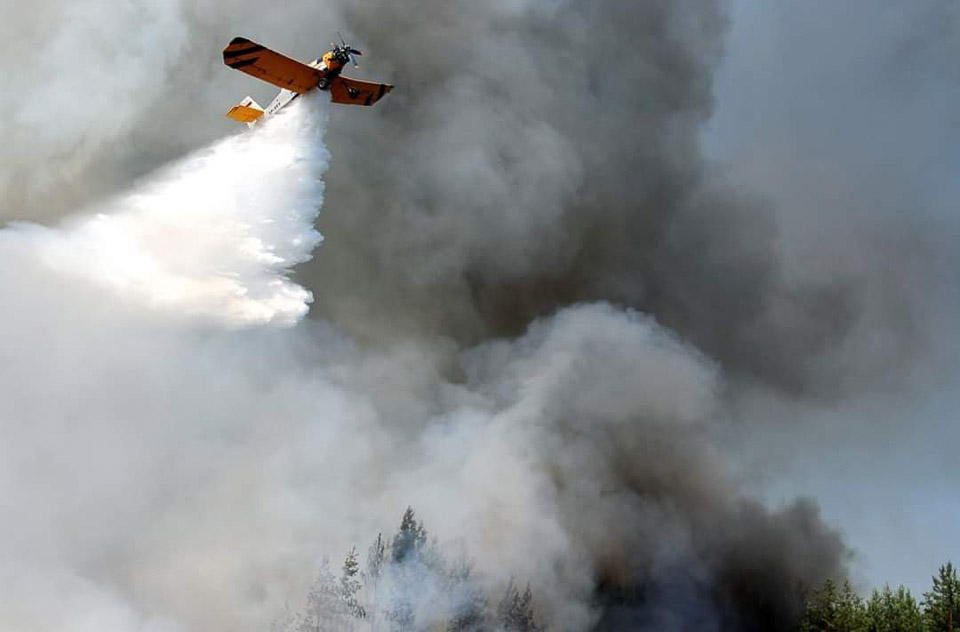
(408, 585)
(350, 586)
(376, 556)
(406, 571)
(516, 610)
(525, 609)
(941, 606)
(889, 611)
(400, 615)
(468, 605)
(324, 603)
(832, 608)
(410, 538)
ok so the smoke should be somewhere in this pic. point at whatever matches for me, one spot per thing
(107, 357)
(77, 74)
(533, 307)
(174, 469)
(549, 153)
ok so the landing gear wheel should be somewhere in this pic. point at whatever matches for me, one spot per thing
(323, 83)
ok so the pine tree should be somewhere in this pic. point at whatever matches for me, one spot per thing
(941, 606)
(852, 611)
(526, 612)
(407, 570)
(400, 615)
(410, 538)
(376, 556)
(468, 605)
(324, 604)
(505, 610)
(350, 586)
(832, 608)
(516, 610)
(889, 611)
(820, 609)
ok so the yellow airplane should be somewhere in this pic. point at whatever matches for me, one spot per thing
(295, 78)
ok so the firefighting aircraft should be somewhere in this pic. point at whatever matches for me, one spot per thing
(295, 78)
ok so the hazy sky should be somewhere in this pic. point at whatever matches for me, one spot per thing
(843, 115)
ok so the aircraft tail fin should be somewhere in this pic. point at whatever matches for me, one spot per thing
(247, 111)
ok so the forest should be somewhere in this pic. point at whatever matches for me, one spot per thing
(840, 608)
(406, 584)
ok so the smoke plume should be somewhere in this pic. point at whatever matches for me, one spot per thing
(533, 307)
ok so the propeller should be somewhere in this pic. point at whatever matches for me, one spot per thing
(352, 53)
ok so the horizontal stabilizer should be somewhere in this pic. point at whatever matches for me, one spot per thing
(247, 111)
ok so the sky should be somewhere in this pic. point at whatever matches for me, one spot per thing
(821, 102)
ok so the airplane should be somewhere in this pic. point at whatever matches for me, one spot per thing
(295, 78)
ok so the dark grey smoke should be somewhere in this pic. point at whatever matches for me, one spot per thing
(541, 154)
(621, 414)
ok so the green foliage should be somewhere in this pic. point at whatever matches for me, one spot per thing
(516, 611)
(830, 607)
(350, 586)
(893, 611)
(833, 608)
(470, 606)
(408, 544)
(941, 606)
(410, 538)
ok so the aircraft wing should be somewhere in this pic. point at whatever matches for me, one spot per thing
(355, 92)
(272, 67)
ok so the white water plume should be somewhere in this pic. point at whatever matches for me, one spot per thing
(213, 235)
